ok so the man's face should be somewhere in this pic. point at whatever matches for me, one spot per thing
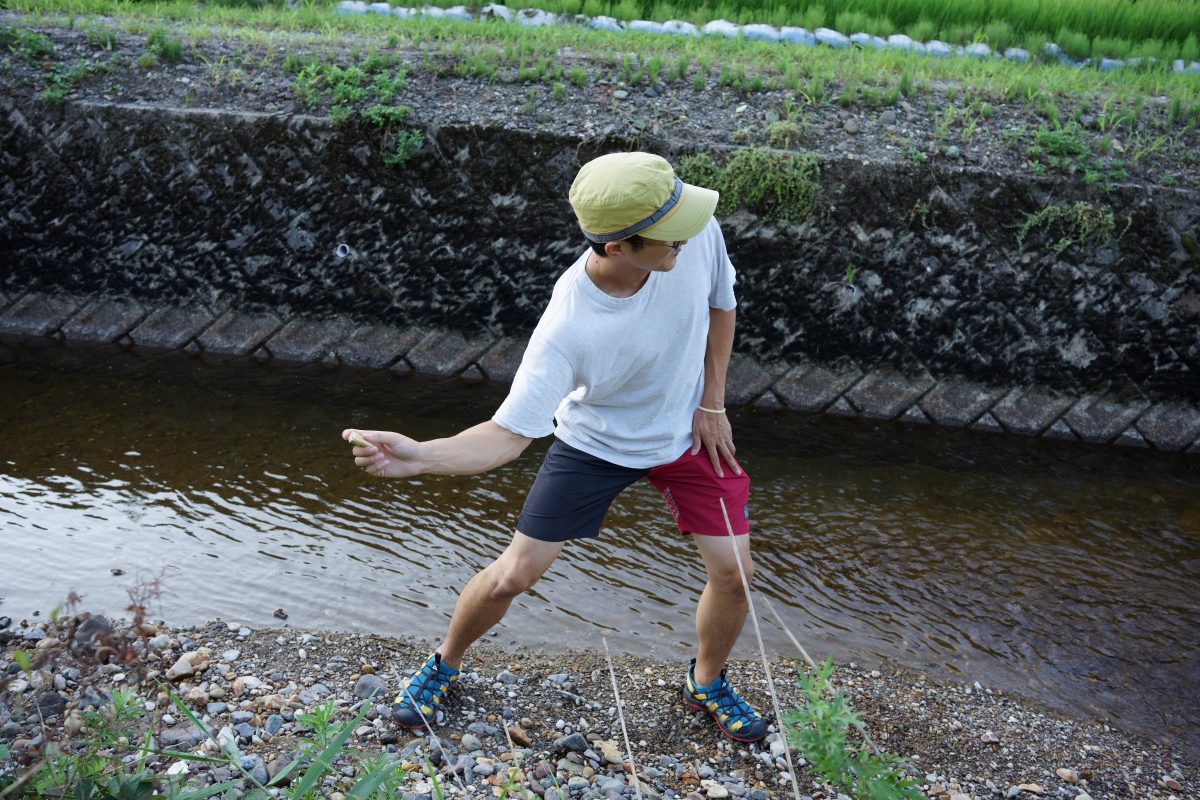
(655, 255)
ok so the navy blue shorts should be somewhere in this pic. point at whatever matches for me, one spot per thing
(573, 490)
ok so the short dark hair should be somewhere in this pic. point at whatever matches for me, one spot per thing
(635, 242)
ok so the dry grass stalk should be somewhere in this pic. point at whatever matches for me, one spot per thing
(862, 729)
(762, 650)
(437, 740)
(637, 786)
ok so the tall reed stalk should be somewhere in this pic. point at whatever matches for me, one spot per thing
(762, 649)
(637, 787)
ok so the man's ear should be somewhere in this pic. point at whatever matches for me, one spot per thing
(614, 249)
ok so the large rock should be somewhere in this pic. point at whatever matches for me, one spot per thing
(369, 686)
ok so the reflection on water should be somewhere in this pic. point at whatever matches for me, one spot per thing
(1061, 572)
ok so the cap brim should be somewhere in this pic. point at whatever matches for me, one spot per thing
(694, 210)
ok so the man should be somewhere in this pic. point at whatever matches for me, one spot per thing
(629, 360)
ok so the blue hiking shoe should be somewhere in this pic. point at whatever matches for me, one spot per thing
(423, 693)
(733, 715)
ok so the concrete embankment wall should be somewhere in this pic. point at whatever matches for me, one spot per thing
(289, 237)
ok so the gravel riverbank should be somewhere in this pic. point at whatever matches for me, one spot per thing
(552, 715)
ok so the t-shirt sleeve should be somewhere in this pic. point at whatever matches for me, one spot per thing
(544, 378)
(721, 294)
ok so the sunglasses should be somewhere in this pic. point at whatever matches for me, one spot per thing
(673, 245)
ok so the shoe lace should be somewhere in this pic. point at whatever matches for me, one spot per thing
(424, 685)
(729, 700)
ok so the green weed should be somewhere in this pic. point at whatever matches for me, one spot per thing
(32, 46)
(294, 64)
(167, 47)
(64, 78)
(388, 86)
(820, 730)
(783, 134)
(319, 722)
(101, 40)
(1076, 224)
(780, 187)
(407, 144)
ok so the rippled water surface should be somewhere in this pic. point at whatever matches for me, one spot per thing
(1061, 572)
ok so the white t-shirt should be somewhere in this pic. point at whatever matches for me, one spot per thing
(623, 376)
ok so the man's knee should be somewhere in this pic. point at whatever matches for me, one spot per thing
(728, 578)
(511, 579)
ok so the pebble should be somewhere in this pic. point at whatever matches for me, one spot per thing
(588, 756)
(1068, 775)
(519, 736)
(255, 766)
(620, 94)
(989, 738)
(369, 686)
(850, 126)
(575, 742)
(180, 669)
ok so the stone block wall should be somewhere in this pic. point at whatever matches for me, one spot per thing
(911, 293)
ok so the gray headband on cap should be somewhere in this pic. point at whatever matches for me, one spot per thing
(637, 227)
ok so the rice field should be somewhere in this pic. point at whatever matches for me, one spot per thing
(1163, 29)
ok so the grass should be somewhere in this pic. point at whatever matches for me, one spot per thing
(1137, 114)
(65, 77)
(109, 759)
(773, 65)
(166, 46)
(28, 45)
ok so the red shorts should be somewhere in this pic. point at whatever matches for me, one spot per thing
(573, 490)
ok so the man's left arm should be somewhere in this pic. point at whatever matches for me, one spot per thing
(711, 429)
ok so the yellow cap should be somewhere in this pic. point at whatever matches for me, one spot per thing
(622, 194)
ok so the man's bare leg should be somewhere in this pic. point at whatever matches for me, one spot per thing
(722, 609)
(487, 596)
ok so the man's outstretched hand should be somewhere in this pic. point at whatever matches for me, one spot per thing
(386, 454)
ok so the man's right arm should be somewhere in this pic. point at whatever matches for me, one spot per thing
(478, 449)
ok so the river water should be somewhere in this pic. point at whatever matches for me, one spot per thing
(1060, 572)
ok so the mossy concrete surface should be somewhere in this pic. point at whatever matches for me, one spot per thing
(908, 292)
